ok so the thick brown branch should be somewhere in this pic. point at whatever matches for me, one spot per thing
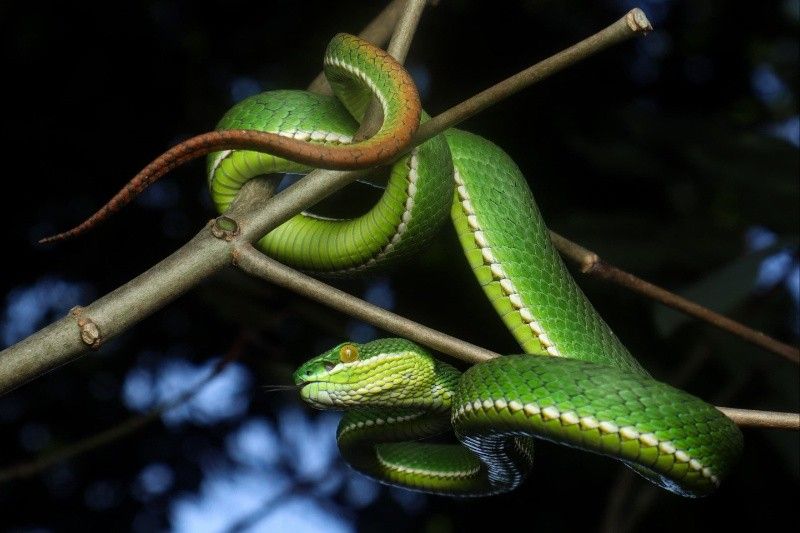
(61, 342)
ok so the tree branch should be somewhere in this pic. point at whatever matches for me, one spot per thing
(591, 264)
(634, 23)
(62, 342)
(257, 264)
(398, 48)
(772, 419)
(251, 216)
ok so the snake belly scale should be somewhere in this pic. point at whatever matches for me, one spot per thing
(577, 385)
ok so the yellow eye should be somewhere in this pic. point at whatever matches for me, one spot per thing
(348, 353)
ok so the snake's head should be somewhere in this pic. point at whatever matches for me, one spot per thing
(381, 373)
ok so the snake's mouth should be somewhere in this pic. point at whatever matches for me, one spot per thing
(321, 398)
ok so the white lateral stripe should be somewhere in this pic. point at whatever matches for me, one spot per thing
(549, 413)
(358, 73)
(405, 217)
(423, 472)
(498, 273)
(380, 421)
(303, 135)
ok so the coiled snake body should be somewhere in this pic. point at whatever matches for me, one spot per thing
(577, 385)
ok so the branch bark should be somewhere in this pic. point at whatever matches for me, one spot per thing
(259, 265)
(592, 265)
(772, 419)
(633, 24)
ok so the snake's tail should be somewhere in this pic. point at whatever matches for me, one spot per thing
(332, 157)
(117, 202)
(176, 156)
(400, 123)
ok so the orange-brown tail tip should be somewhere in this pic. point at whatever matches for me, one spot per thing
(66, 235)
(51, 238)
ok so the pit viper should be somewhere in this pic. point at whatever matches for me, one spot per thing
(576, 384)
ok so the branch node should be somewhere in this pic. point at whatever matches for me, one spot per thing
(236, 254)
(590, 262)
(225, 228)
(637, 21)
(89, 330)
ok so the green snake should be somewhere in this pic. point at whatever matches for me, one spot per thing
(576, 385)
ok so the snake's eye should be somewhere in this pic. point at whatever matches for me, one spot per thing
(348, 353)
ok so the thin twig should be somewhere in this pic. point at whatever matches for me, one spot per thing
(406, 28)
(617, 501)
(751, 418)
(632, 24)
(252, 518)
(123, 429)
(257, 264)
(592, 265)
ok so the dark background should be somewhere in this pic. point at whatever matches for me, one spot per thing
(674, 156)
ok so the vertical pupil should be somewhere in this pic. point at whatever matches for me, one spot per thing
(348, 354)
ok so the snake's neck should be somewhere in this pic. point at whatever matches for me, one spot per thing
(416, 381)
(443, 389)
(430, 387)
